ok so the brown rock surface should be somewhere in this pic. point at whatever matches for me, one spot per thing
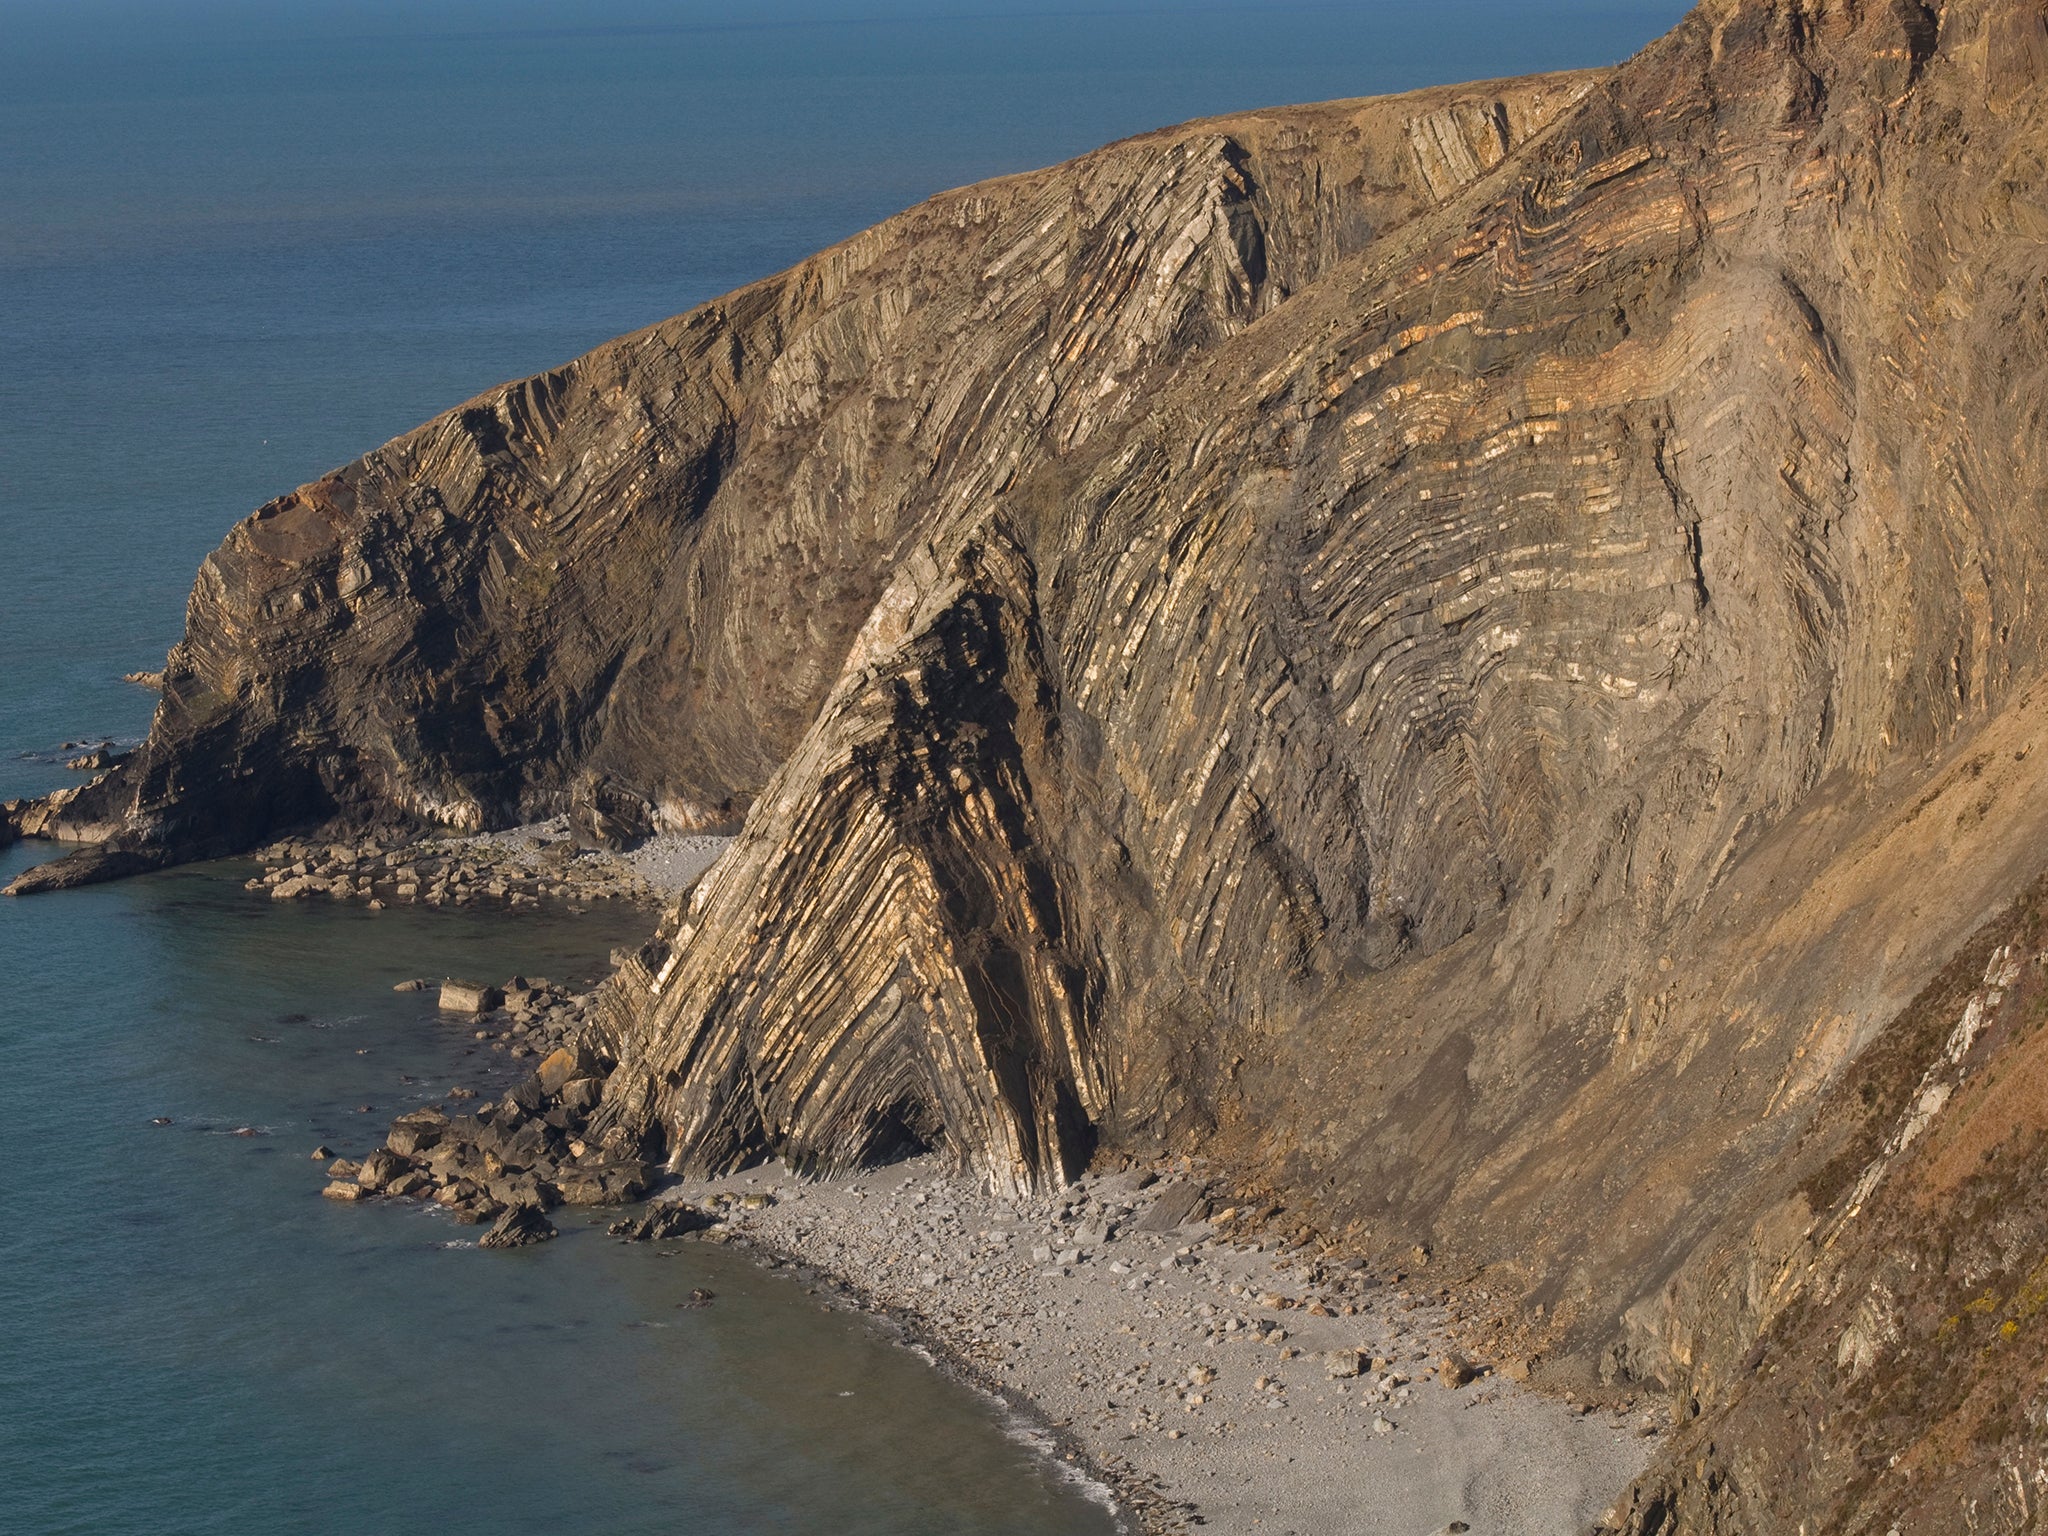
(623, 588)
(1868, 1353)
(1468, 654)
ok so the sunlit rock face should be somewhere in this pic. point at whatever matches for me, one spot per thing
(1465, 653)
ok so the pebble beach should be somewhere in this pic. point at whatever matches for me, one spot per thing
(1210, 1380)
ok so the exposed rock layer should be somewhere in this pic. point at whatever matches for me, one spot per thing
(1867, 1354)
(628, 584)
(1470, 652)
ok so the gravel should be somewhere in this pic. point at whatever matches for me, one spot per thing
(1186, 1368)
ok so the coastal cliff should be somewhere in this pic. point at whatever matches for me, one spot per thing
(1468, 655)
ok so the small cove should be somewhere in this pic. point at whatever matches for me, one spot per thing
(203, 1344)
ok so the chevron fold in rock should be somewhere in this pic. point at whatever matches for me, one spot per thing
(885, 957)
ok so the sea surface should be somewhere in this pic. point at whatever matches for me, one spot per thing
(241, 243)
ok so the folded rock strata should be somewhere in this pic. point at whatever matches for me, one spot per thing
(1469, 653)
(625, 586)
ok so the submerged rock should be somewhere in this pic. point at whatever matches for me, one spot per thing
(670, 1219)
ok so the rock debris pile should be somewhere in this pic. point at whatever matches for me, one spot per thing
(509, 1160)
(525, 867)
(446, 873)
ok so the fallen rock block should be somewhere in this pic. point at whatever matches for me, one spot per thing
(519, 1227)
(516, 1189)
(559, 1068)
(469, 997)
(417, 1132)
(580, 1095)
(602, 1184)
(662, 1222)
(380, 1168)
(1173, 1208)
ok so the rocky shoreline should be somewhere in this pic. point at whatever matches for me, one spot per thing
(1199, 1362)
(508, 1160)
(523, 867)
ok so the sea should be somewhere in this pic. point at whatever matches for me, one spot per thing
(241, 242)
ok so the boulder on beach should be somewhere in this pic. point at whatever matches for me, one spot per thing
(469, 997)
(1174, 1207)
(660, 1223)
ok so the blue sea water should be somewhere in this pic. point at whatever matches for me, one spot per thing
(241, 243)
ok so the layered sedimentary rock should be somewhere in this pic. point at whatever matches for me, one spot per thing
(1864, 1350)
(625, 587)
(1469, 653)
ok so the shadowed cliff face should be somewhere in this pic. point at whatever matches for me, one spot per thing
(1469, 653)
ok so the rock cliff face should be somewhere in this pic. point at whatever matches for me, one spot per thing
(628, 585)
(1867, 1353)
(1469, 653)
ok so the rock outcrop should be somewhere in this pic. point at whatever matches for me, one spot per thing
(622, 589)
(1866, 1353)
(1468, 653)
